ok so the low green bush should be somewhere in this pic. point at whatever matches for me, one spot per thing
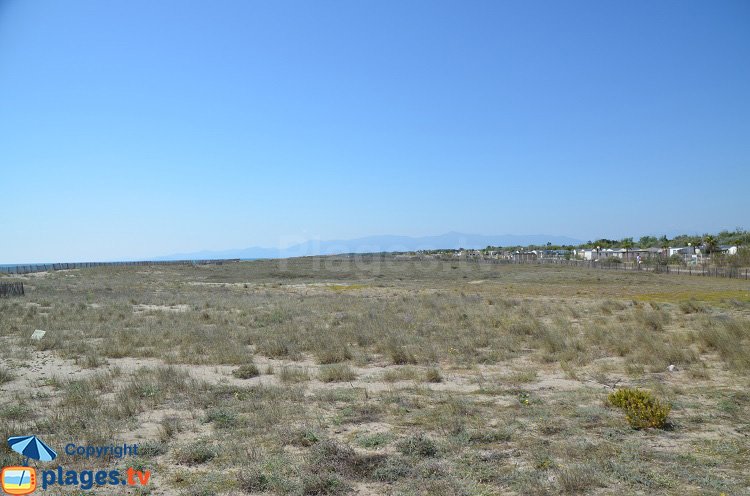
(418, 445)
(642, 409)
(247, 371)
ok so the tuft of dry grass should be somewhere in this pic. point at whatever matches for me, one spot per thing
(290, 374)
(336, 373)
(6, 375)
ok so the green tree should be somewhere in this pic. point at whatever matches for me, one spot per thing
(627, 243)
(647, 241)
(664, 245)
(710, 243)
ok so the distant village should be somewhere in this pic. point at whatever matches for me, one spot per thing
(682, 250)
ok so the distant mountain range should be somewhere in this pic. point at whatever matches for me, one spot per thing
(374, 244)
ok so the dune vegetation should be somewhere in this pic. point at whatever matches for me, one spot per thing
(344, 375)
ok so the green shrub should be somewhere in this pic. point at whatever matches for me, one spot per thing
(222, 418)
(376, 440)
(692, 306)
(323, 483)
(300, 437)
(677, 259)
(642, 409)
(247, 371)
(251, 480)
(152, 448)
(418, 445)
(392, 469)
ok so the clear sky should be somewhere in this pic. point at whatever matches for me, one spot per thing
(136, 128)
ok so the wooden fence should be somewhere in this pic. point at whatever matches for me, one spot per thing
(11, 289)
(694, 270)
(697, 270)
(27, 269)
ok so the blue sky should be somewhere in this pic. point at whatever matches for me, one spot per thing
(131, 129)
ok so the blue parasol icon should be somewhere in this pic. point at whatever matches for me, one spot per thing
(31, 447)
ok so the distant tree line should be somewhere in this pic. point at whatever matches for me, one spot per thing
(739, 237)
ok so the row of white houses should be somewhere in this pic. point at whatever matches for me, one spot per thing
(634, 253)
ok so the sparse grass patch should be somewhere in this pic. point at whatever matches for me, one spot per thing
(699, 371)
(418, 445)
(252, 480)
(433, 375)
(314, 483)
(169, 427)
(489, 436)
(329, 464)
(222, 418)
(6, 375)
(523, 376)
(16, 412)
(401, 374)
(578, 479)
(150, 449)
(392, 469)
(277, 347)
(730, 338)
(333, 353)
(288, 373)
(653, 320)
(376, 440)
(346, 287)
(400, 355)
(336, 373)
(304, 436)
(692, 306)
(610, 306)
(195, 453)
(91, 360)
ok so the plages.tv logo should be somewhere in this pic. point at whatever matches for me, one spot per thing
(23, 479)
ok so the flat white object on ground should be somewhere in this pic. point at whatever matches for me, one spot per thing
(38, 334)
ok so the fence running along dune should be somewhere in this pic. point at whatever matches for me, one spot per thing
(697, 270)
(30, 268)
(694, 270)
